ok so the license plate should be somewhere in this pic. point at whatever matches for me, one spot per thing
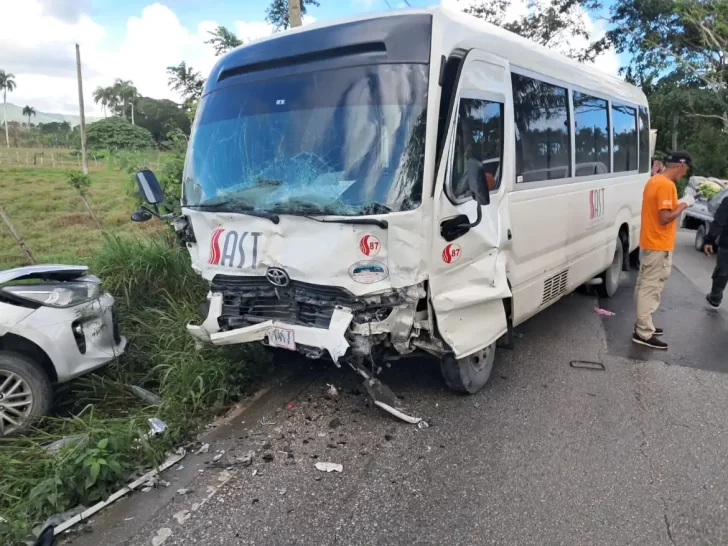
(282, 338)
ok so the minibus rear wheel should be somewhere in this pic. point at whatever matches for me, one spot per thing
(468, 374)
(611, 277)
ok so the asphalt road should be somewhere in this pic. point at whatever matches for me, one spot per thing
(546, 454)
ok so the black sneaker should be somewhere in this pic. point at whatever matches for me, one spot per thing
(653, 343)
(659, 332)
(711, 302)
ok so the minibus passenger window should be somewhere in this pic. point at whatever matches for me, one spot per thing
(479, 136)
(591, 119)
(624, 120)
(543, 143)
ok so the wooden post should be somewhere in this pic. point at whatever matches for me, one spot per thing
(294, 13)
(80, 109)
(16, 235)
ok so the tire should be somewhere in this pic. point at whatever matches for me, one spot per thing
(612, 276)
(25, 381)
(470, 374)
(700, 238)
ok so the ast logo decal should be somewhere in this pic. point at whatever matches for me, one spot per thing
(232, 251)
(596, 204)
(368, 272)
(370, 245)
(451, 254)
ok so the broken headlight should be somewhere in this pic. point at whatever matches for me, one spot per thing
(64, 294)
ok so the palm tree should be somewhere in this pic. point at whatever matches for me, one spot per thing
(29, 111)
(127, 93)
(106, 97)
(7, 83)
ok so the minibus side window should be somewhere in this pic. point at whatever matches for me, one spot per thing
(645, 158)
(479, 135)
(591, 119)
(543, 141)
(624, 120)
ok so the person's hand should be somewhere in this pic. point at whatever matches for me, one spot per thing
(688, 200)
(709, 250)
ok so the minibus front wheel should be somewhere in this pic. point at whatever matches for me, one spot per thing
(468, 374)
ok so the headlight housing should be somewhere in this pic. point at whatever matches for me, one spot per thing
(65, 294)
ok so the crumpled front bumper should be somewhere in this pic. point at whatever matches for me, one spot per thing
(331, 339)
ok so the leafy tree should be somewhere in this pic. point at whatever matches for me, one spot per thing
(552, 24)
(223, 40)
(117, 134)
(29, 111)
(7, 84)
(277, 12)
(160, 117)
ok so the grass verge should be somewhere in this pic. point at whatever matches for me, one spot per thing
(156, 293)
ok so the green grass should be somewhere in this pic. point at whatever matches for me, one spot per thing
(51, 218)
(157, 294)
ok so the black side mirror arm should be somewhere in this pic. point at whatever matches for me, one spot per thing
(455, 228)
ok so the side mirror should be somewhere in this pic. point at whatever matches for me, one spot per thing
(142, 215)
(477, 183)
(150, 188)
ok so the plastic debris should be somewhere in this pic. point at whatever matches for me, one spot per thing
(423, 424)
(332, 392)
(329, 467)
(144, 395)
(182, 516)
(162, 535)
(290, 405)
(603, 312)
(56, 446)
(217, 457)
(157, 426)
(204, 448)
(183, 491)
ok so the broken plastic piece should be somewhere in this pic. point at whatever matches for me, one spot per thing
(290, 405)
(204, 448)
(144, 395)
(603, 312)
(157, 425)
(329, 467)
(56, 446)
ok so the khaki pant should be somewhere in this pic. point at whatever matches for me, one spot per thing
(654, 271)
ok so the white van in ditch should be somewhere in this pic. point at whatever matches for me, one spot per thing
(415, 181)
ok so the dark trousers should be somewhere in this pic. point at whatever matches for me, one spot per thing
(720, 276)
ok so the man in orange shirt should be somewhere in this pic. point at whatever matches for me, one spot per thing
(660, 212)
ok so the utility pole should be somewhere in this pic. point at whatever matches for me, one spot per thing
(294, 13)
(84, 157)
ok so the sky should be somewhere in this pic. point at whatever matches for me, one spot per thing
(138, 39)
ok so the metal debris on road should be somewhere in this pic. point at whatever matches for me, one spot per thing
(329, 467)
(587, 365)
(603, 312)
(144, 395)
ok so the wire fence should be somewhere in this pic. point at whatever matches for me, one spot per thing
(67, 158)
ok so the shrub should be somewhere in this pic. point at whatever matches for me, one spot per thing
(118, 134)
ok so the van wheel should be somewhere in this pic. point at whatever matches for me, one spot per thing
(469, 374)
(612, 276)
(26, 393)
(700, 238)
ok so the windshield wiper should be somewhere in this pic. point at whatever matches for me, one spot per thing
(307, 209)
(227, 207)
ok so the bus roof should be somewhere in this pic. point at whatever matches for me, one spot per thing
(449, 29)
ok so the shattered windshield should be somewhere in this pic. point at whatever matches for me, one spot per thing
(347, 142)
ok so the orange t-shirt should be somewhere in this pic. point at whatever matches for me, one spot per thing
(660, 194)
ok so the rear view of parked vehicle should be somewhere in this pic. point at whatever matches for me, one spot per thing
(56, 323)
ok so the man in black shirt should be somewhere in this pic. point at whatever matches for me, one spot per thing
(717, 242)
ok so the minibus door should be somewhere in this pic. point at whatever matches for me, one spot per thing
(468, 280)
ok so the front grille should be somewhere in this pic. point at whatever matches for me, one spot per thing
(251, 300)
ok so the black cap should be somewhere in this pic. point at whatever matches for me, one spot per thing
(680, 157)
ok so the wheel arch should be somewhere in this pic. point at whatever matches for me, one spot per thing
(17, 344)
